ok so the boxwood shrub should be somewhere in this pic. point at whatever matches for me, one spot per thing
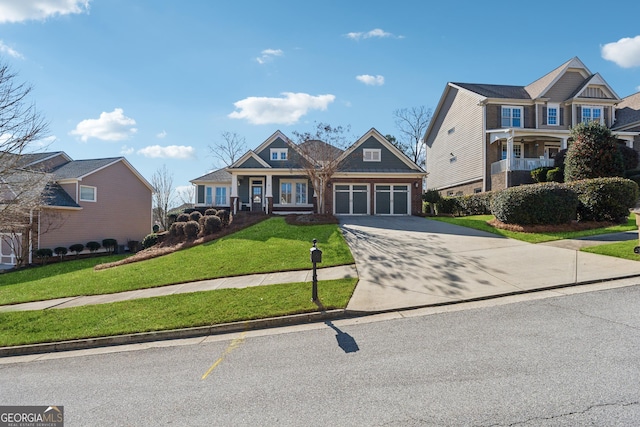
(149, 240)
(191, 229)
(545, 203)
(475, 204)
(605, 199)
(555, 175)
(540, 174)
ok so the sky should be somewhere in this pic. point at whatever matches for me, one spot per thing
(159, 81)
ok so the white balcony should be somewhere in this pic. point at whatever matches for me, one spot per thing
(520, 164)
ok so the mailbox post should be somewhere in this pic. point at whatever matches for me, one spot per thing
(316, 257)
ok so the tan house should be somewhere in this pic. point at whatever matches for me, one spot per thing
(86, 200)
(486, 137)
(372, 177)
(628, 118)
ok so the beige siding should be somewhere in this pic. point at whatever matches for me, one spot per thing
(122, 211)
(565, 87)
(457, 130)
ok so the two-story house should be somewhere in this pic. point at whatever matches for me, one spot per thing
(372, 177)
(486, 137)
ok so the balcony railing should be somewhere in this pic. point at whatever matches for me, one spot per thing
(525, 164)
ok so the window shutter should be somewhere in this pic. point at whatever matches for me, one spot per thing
(200, 193)
(579, 114)
(544, 116)
(561, 116)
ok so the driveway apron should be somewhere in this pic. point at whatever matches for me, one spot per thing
(408, 262)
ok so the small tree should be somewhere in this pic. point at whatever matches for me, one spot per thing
(229, 148)
(412, 124)
(110, 245)
(432, 197)
(61, 251)
(594, 153)
(77, 248)
(93, 246)
(44, 254)
(162, 182)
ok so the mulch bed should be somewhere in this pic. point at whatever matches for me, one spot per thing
(558, 228)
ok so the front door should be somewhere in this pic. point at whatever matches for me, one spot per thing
(256, 197)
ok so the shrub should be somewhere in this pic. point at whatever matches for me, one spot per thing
(61, 251)
(605, 199)
(635, 178)
(110, 245)
(555, 175)
(195, 216)
(43, 254)
(191, 229)
(594, 153)
(77, 248)
(149, 240)
(540, 174)
(431, 197)
(224, 216)
(183, 217)
(171, 218)
(176, 231)
(558, 160)
(629, 157)
(210, 212)
(545, 203)
(93, 246)
(156, 228)
(447, 206)
(474, 204)
(133, 245)
(212, 224)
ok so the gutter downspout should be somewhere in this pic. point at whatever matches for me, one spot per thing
(484, 147)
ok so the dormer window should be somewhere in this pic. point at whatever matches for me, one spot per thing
(591, 114)
(553, 118)
(371, 154)
(279, 153)
(511, 117)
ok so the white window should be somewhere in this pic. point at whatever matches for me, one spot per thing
(553, 118)
(279, 153)
(293, 192)
(87, 194)
(221, 196)
(371, 154)
(590, 113)
(511, 117)
(209, 196)
(517, 151)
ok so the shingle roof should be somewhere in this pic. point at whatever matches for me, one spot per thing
(496, 91)
(220, 175)
(628, 111)
(80, 168)
(54, 195)
(30, 158)
(315, 148)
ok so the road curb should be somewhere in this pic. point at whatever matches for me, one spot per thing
(143, 337)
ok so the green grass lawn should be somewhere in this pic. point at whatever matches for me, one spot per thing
(479, 222)
(269, 246)
(618, 249)
(170, 312)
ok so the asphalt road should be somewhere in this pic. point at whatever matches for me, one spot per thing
(562, 361)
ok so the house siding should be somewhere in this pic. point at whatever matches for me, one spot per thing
(265, 154)
(117, 214)
(388, 160)
(458, 132)
(250, 163)
(565, 86)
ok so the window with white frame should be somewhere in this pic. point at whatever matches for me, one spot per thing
(293, 192)
(517, 151)
(553, 118)
(87, 193)
(279, 153)
(209, 196)
(371, 154)
(221, 196)
(591, 113)
(511, 117)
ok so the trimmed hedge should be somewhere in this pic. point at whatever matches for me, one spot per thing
(149, 240)
(555, 175)
(469, 204)
(191, 229)
(545, 203)
(540, 174)
(605, 199)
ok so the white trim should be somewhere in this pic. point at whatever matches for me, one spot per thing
(278, 152)
(371, 155)
(294, 194)
(251, 185)
(391, 200)
(555, 106)
(512, 108)
(95, 194)
(592, 108)
(350, 191)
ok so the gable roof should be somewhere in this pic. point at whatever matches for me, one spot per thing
(31, 159)
(78, 169)
(249, 155)
(496, 91)
(55, 196)
(220, 175)
(317, 146)
(628, 112)
(539, 87)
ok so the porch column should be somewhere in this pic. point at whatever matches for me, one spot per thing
(563, 144)
(509, 152)
(268, 192)
(234, 185)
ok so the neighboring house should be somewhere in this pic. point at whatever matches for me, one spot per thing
(488, 137)
(86, 200)
(373, 178)
(628, 117)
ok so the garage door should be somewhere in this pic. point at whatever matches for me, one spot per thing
(392, 199)
(351, 199)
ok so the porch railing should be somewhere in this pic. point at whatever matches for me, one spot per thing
(525, 164)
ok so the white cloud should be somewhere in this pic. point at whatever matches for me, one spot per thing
(268, 55)
(10, 51)
(377, 33)
(127, 151)
(625, 52)
(286, 110)
(24, 10)
(162, 134)
(168, 152)
(114, 126)
(371, 80)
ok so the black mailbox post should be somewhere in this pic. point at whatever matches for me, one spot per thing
(316, 257)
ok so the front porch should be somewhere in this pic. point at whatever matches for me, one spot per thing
(272, 194)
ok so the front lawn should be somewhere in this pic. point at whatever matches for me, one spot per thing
(170, 312)
(479, 222)
(269, 246)
(618, 249)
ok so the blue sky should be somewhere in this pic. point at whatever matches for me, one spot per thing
(158, 81)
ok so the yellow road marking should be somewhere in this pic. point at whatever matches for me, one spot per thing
(234, 344)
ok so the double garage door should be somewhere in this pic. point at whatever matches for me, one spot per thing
(355, 199)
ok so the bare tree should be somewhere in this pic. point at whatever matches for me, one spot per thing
(229, 149)
(412, 124)
(320, 152)
(186, 195)
(162, 182)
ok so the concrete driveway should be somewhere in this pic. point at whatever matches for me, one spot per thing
(408, 262)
